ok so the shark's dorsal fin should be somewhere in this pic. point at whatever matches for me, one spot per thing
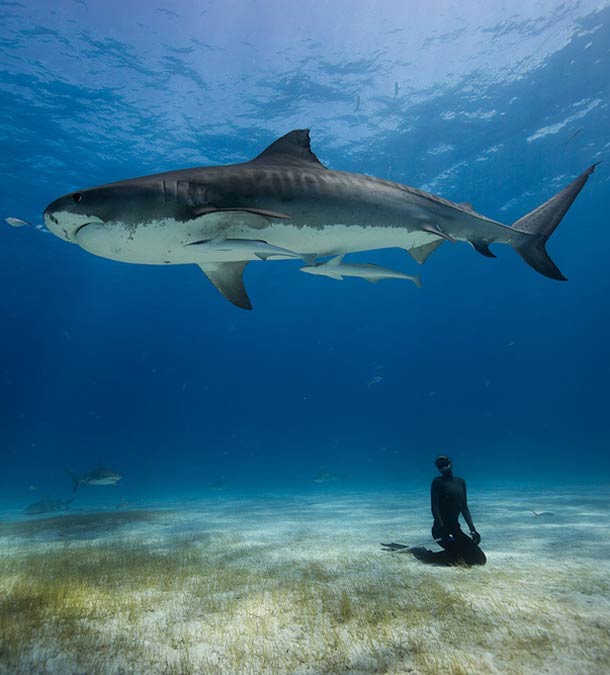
(337, 260)
(292, 148)
(227, 277)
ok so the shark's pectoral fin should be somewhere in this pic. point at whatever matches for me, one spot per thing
(420, 253)
(227, 277)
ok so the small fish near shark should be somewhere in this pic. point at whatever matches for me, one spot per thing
(337, 269)
(98, 476)
(286, 204)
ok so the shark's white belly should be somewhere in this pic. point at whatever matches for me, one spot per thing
(171, 242)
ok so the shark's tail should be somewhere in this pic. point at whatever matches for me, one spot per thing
(75, 479)
(541, 223)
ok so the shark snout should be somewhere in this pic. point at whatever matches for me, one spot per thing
(61, 218)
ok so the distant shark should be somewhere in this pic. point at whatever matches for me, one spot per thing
(280, 205)
(48, 505)
(98, 476)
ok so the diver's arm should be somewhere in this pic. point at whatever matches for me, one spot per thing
(435, 500)
(466, 510)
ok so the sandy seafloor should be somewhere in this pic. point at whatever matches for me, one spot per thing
(297, 583)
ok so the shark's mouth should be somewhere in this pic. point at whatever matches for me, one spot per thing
(81, 227)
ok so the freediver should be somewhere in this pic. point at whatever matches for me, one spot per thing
(448, 500)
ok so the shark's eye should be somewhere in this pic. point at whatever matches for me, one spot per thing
(77, 197)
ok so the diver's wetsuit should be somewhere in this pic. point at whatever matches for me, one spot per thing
(448, 496)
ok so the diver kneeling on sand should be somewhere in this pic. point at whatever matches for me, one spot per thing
(448, 496)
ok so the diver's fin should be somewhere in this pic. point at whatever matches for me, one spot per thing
(420, 253)
(227, 277)
(393, 546)
(541, 223)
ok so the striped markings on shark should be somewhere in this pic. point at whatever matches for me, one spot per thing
(284, 204)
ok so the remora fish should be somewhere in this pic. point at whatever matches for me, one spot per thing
(285, 198)
(98, 476)
(337, 269)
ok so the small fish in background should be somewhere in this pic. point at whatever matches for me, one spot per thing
(32, 488)
(47, 505)
(220, 485)
(396, 88)
(357, 108)
(374, 380)
(16, 222)
(543, 514)
(98, 476)
(337, 269)
(324, 476)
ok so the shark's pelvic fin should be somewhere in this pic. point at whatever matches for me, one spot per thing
(420, 253)
(483, 248)
(541, 223)
(227, 277)
(293, 148)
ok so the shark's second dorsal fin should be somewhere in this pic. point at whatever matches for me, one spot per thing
(292, 148)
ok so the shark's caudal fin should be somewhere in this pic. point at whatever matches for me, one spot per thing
(541, 223)
(75, 479)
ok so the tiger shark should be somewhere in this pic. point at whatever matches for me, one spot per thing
(284, 204)
(98, 476)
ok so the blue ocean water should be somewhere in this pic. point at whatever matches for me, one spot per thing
(151, 371)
